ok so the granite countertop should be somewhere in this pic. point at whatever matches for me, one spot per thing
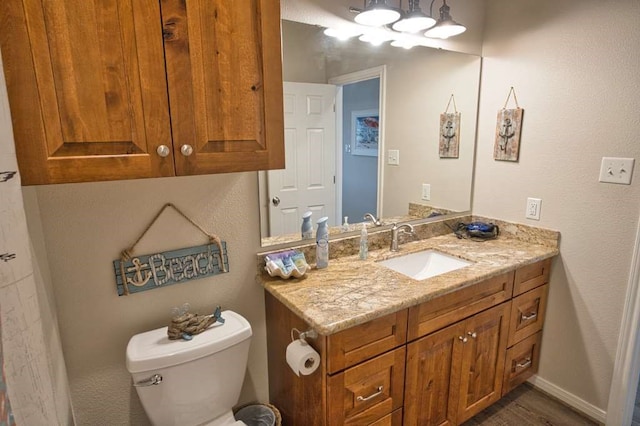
(353, 291)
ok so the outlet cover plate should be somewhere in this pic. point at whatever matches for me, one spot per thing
(426, 191)
(616, 170)
(533, 208)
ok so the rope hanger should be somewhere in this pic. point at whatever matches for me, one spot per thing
(515, 98)
(455, 109)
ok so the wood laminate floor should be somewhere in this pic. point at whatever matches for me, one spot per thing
(526, 406)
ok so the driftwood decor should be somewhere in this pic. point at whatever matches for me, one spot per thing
(448, 146)
(508, 129)
(146, 272)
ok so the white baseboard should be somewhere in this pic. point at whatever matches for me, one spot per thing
(570, 399)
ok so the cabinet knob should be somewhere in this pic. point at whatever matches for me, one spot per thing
(473, 334)
(463, 339)
(186, 150)
(163, 151)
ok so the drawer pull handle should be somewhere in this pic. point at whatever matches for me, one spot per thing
(373, 395)
(526, 317)
(525, 364)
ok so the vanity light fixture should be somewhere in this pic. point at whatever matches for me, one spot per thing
(340, 34)
(445, 27)
(377, 13)
(414, 19)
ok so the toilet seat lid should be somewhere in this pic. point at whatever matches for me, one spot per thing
(153, 349)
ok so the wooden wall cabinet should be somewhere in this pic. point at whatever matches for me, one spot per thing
(124, 89)
(435, 364)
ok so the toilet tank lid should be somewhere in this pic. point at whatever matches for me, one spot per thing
(152, 350)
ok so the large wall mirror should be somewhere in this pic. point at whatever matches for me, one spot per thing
(362, 133)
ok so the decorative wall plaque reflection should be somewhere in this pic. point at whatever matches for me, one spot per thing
(449, 134)
(508, 127)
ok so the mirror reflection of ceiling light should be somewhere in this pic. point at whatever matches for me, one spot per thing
(445, 27)
(340, 34)
(374, 38)
(405, 44)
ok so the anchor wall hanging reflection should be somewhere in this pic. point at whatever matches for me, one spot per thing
(449, 135)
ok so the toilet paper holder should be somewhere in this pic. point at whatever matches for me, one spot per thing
(303, 335)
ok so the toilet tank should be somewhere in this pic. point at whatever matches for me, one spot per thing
(201, 378)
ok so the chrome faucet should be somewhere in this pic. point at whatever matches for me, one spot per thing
(406, 228)
(372, 218)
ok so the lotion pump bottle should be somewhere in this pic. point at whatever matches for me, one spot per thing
(322, 243)
(364, 243)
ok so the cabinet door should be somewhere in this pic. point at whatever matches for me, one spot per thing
(224, 74)
(86, 88)
(483, 358)
(431, 382)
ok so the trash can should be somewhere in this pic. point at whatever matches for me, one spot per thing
(259, 415)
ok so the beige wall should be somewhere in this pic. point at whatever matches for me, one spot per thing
(574, 65)
(86, 226)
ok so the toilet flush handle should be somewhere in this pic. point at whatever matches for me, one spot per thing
(156, 379)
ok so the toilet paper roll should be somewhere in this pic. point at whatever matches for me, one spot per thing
(302, 358)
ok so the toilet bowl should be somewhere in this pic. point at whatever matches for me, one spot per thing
(195, 382)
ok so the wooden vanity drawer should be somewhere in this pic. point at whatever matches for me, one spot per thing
(522, 362)
(531, 276)
(349, 347)
(393, 419)
(366, 393)
(527, 314)
(442, 311)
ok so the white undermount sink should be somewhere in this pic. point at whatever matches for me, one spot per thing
(424, 264)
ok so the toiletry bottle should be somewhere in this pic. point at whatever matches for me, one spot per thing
(322, 243)
(307, 227)
(345, 225)
(364, 242)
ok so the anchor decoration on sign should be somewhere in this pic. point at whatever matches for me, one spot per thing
(508, 129)
(506, 133)
(145, 272)
(448, 133)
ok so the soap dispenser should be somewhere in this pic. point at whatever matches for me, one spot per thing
(322, 243)
(306, 228)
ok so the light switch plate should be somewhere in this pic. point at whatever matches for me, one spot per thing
(393, 157)
(616, 170)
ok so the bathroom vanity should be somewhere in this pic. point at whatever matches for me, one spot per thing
(398, 351)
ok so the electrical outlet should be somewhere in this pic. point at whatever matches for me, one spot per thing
(616, 170)
(533, 208)
(426, 191)
(393, 157)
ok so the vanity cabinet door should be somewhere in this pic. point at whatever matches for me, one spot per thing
(483, 358)
(432, 378)
(368, 392)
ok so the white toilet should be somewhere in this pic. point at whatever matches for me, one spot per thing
(194, 382)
